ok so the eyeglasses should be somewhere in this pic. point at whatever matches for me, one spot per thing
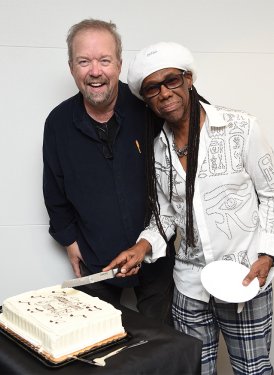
(171, 83)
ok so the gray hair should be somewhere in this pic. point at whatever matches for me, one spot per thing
(94, 24)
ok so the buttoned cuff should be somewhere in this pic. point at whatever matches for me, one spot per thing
(158, 245)
(266, 243)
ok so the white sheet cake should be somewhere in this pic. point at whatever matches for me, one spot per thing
(59, 322)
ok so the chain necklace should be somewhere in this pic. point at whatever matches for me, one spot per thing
(181, 152)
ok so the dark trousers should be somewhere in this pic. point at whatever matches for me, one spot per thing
(154, 293)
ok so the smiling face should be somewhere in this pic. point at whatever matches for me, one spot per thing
(173, 105)
(95, 67)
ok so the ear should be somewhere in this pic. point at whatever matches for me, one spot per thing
(188, 77)
(70, 66)
(120, 65)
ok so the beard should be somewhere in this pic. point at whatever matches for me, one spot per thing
(98, 98)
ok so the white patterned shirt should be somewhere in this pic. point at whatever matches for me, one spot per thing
(233, 201)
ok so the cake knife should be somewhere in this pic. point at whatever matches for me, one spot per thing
(90, 278)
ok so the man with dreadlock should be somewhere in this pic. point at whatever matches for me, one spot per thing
(210, 176)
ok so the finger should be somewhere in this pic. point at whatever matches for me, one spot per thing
(117, 262)
(130, 273)
(249, 277)
(262, 279)
(134, 270)
(76, 268)
(132, 264)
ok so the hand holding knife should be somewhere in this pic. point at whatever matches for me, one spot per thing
(127, 263)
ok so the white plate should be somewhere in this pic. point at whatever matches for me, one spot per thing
(223, 279)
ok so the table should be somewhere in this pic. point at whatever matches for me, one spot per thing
(167, 352)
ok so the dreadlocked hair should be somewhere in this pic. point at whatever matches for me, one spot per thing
(153, 128)
(192, 162)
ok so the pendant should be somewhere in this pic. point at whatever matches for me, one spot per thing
(181, 152)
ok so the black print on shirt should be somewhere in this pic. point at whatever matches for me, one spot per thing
(225, 203)
(267, 169)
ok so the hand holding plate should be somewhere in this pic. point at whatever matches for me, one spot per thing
(260, 269)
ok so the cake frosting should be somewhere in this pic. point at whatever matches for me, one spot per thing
(59, 322)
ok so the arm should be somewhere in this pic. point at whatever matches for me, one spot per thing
(61, 213)
(259, 165)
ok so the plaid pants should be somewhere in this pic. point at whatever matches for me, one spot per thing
(247, 334)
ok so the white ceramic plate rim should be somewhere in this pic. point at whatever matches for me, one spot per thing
(223, 280)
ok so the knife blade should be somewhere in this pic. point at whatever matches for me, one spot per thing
(100, 276)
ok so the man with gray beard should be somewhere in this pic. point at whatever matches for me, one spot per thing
(94, 171)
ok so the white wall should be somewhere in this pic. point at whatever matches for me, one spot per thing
(232, 41)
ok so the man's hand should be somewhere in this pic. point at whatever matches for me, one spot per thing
(260, 268)
(129, 261)
(75, 257)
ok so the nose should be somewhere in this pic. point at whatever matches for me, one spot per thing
(94, 68)
(165, 92)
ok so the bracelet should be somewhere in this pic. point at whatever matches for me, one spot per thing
(270, 256)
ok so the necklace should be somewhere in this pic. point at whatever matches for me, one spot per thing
(181, 152)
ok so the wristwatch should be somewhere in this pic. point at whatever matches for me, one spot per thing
(270, 256)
